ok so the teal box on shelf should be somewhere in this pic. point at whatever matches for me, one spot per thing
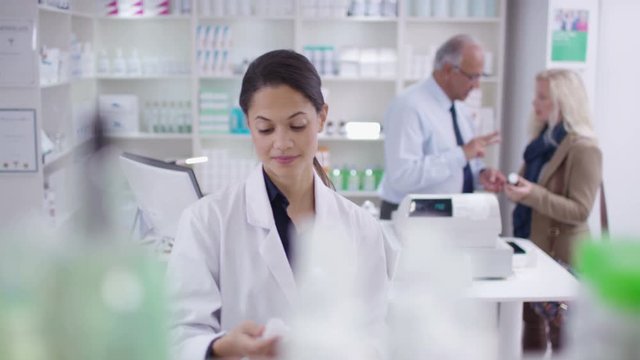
(237, 121)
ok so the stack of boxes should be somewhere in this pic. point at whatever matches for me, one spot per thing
(214, 112)
(213, 43)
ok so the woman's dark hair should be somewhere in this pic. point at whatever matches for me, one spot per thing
(284, 67)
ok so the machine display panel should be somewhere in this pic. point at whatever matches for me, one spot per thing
(431, 208)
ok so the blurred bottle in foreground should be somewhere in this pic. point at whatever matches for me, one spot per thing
(84, 292)
(605, 323)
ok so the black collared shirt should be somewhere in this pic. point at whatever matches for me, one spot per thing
(279, 204)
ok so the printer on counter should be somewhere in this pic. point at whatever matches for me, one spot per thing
(468, 222)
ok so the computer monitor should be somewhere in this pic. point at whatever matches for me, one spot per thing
(162, 191)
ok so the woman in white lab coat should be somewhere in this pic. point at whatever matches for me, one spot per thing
(230, 270)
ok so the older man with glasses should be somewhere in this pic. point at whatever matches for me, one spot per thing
(429, 142)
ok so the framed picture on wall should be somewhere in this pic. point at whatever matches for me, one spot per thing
(571, 33)
(18, 141)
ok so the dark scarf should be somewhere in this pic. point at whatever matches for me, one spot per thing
(537, 154)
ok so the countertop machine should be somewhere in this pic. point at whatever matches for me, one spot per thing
(468, 222)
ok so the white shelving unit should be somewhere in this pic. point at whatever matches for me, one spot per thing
(172, 38)
(61, 104)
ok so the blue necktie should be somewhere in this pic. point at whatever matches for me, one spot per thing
(467, 185)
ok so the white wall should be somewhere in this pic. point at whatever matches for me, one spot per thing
(618, 121)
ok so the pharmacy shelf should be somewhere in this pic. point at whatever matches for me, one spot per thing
(358, 194)
(358, 79)
(332, 79)
(220, 77)
(336, 138)
(246, 18)
(453, 20)
(53, 160)
(322, 138)
(55, 84)
(149, 136)
(146, 18)
(367, 19)
(144, 77)
(488, 79)
(66, 82)
(225, 137)
(51, 9)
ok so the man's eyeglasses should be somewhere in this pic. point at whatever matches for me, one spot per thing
(470, 77)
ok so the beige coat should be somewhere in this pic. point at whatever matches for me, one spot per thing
(562, 199)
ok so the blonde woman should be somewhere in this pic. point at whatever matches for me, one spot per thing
(558, 183)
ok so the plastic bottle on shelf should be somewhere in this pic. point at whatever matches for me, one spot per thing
(104, 65)
(336, 178)
(147, 117)
(344, 171)
(185, 7)
(373, 8)
(353, 183)
(134, 66)
(378, 172)
(342, 128)
(155, 118)
(178, 117)
(357, 8)
(440, 8)
(459, 8)
(491, 8)
(368, 180)
(119, 64)
(188, 118)
(478, 8)
(329, 128)
(88, 60)
(163, 117)
(174, 117)
(389, 8)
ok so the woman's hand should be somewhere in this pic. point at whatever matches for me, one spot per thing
(519, 191)
(245, 340)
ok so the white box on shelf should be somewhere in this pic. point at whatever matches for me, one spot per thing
(119, 113)
(49, 65)
(369, 62)
(388, 62)
(350, 62)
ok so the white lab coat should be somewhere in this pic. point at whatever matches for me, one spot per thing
(228, 263)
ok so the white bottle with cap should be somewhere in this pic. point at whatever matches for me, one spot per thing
(119, 64)
(440, 8)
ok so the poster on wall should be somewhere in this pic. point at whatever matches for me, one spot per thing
(571, 33)
(18, 146)
(17, 53)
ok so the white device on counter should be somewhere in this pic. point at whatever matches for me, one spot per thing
(470, 221)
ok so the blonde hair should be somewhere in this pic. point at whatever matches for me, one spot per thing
(570, 103)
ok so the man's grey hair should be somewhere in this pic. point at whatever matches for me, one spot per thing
(451, 51)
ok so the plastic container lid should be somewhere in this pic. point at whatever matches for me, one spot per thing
(612, 269)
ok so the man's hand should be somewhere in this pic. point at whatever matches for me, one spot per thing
(476, 148)
(245, 340)
(492, 179)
